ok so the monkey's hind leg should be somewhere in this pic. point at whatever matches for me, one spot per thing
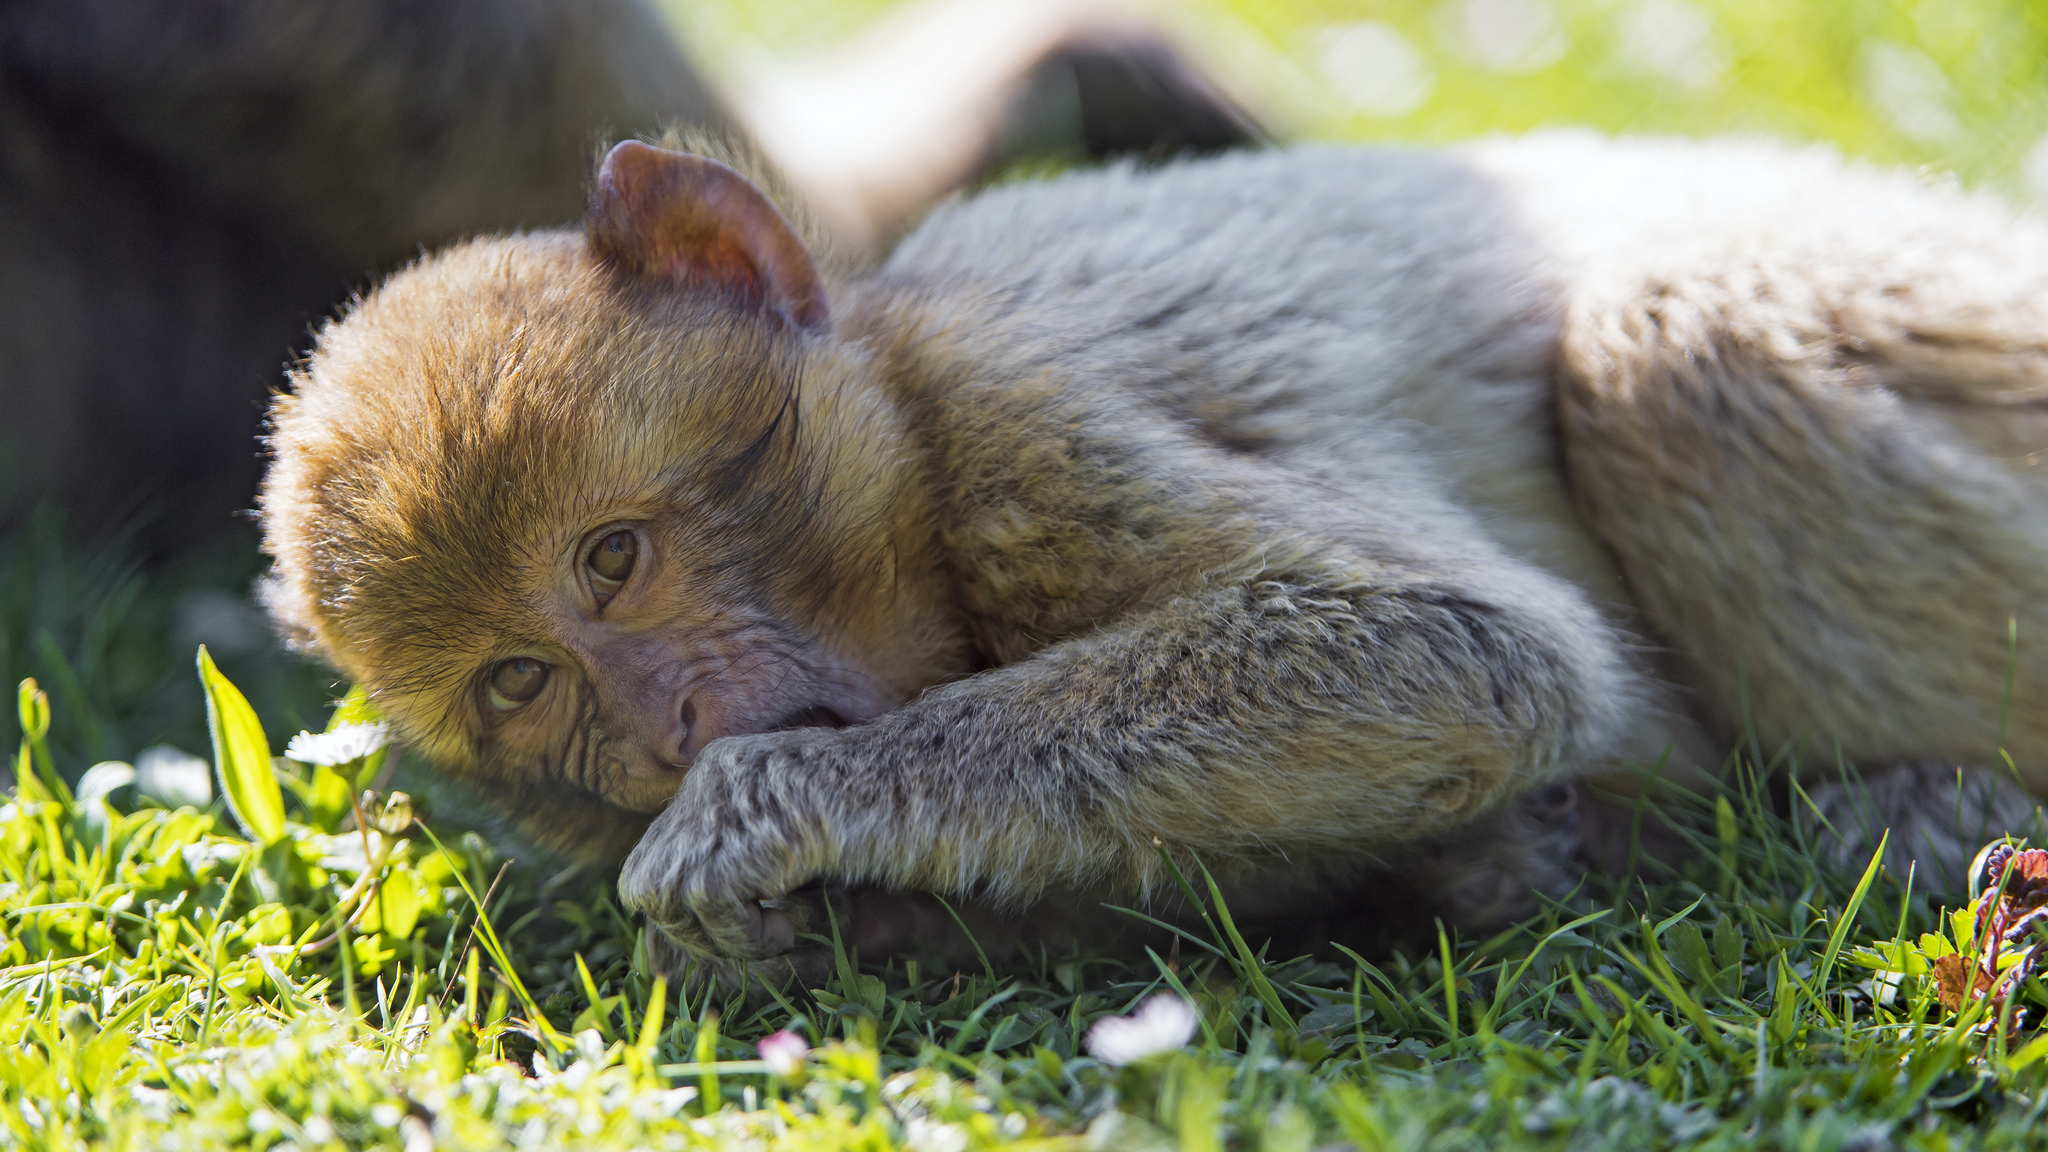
(1821, 473)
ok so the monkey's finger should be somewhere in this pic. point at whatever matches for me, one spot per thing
(686, 935)
(743, 929)
(754, 979)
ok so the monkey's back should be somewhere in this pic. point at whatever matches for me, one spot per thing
(1396, 311)
(1377, 315)
(1381, 327)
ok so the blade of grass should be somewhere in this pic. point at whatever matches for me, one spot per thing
(499, 956)
(1841, 929)
(1248, 967)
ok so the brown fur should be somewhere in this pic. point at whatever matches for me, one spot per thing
(1177, 661)
(1085, 514)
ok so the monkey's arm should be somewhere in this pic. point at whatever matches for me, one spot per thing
(1309, 719)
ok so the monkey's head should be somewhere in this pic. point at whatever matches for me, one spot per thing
(573, 504)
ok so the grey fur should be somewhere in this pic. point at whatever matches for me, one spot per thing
(1297, 511)
(1345, 364)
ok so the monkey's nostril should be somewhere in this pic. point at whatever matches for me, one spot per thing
(688, 715)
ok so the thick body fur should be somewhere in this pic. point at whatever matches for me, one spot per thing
(1290, 510)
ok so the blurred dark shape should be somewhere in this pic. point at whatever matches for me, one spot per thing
(1120, 93)
(188, 186)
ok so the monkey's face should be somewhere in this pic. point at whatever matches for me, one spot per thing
(570, 520)
(637, 654)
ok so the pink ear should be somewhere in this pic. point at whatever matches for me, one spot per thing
(691, 221)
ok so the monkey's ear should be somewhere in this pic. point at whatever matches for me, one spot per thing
(684, 219)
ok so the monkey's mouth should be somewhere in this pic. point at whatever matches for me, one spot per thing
(816, 716)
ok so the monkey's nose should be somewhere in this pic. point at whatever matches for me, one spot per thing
(670, 745)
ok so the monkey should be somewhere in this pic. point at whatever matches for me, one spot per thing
(187, 188)
(1312, 516)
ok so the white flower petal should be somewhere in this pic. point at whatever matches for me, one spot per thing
(1161, 1024)
(346, 743)
(173, 777)
(783, 1052)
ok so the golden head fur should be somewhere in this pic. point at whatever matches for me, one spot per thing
(456, 434)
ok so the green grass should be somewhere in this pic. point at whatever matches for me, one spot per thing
(112, 642)
(167, 982)
(151, 995)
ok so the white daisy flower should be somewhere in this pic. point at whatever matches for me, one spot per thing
(347, 743)
(1161, 1024)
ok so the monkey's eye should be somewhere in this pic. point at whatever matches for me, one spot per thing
(611, 562)
(516, 681)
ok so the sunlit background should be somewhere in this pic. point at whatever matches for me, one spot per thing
(1955, 85)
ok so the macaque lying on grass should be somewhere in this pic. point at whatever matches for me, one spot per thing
(1316, 514)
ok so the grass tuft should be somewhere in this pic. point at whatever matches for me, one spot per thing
(359, 980)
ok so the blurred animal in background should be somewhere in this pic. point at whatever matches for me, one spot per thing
(1319, 514)
(187, 187)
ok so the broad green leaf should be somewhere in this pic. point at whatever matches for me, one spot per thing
(241, 756)
(396, 907)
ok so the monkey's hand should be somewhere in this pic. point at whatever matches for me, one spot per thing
(716, 869)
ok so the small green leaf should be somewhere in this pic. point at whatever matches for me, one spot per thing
(1686, 947)
(241, 756)
(33, 706)
(267, 924)
(1728, 942)
(327, 801)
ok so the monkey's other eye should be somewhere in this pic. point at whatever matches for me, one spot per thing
(516, 681)
(612, 561)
